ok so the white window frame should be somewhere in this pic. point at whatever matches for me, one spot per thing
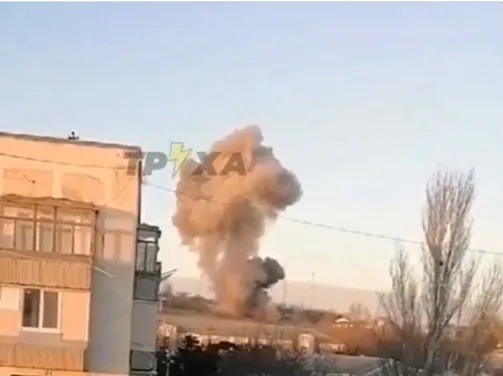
(40, 328)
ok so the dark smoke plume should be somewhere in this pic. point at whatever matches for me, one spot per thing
(223, 217)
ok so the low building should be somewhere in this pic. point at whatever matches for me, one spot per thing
(342, 322)
(75, 298)
(209, 327)
(331, 347)
(215, 329)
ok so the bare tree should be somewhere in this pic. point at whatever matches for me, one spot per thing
(421, 312)
(359, 312)
(400, 343)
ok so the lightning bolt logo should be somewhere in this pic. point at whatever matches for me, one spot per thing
(178, 155)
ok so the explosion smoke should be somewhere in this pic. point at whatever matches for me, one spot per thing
(223, 217)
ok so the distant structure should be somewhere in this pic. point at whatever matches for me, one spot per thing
(73, 136)
(343, 322)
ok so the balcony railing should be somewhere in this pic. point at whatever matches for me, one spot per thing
(142, 361)
(146, 287)
(37, 269)
(43, 357)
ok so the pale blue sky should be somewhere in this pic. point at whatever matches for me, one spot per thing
(362, 100)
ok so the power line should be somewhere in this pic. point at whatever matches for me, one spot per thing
(288, 218)
(327, 226)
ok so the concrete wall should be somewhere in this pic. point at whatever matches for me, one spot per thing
(74, 170)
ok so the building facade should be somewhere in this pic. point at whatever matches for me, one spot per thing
(78, 280)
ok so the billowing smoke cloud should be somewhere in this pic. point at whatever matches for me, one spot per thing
(222, 216)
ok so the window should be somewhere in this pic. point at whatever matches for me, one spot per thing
(82, 240)
(24, 235)
(74, 216)
(146, 256)
(45, 237)
(40, 309)
(64, 238)
(46, 229)
(6, 233)
(151, 257)
(140, 256)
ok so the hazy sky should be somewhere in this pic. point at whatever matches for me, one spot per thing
(362, 101)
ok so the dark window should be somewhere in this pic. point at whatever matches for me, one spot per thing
(40, 309)
(31, 308)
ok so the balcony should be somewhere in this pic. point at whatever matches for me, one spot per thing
(43, 357)
(148, 269)
(146, 285)
(46, 242)
(29, 268)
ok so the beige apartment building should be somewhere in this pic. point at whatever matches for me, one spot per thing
(78, 272)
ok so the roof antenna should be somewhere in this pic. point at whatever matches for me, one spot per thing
(73, 136)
